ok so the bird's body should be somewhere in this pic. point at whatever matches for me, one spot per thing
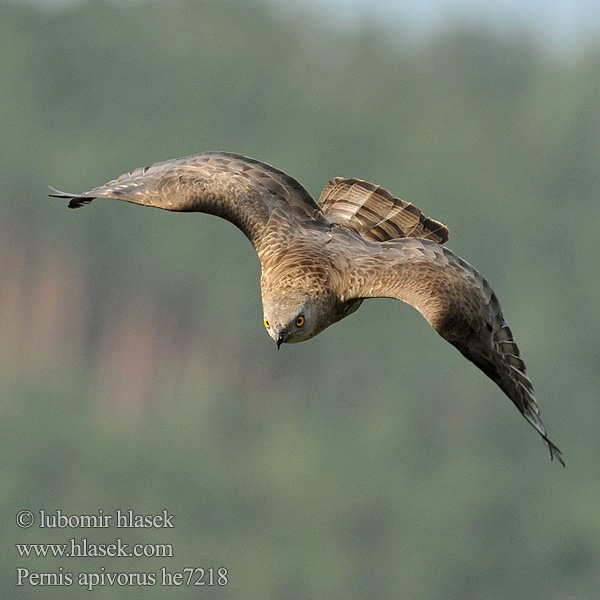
(321, 260)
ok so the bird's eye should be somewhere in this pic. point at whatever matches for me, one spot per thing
(267, 324)
(300, 321)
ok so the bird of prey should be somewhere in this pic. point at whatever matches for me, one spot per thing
(320, 260)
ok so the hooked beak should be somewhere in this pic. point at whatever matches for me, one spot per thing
(280, 337)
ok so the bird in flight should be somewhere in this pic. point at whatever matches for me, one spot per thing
(320, 260)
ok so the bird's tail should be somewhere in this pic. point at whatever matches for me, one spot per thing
(375, 214)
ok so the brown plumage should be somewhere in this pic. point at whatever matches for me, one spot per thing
(321, 260)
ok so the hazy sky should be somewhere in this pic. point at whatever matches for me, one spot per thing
(564, 19)
(561, 20)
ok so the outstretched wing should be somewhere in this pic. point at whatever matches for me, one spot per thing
(376, 215)
(240, 189)
(459, 303)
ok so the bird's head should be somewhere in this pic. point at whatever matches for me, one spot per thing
(291, 318)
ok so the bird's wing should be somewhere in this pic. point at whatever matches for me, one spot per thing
(373, 213)
(240, 189)
(459, 303)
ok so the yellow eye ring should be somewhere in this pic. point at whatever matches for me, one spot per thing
(267, 324)
(300, 321)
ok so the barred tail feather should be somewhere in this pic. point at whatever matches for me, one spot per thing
(375, 214)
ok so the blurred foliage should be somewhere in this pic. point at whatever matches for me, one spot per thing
(373, 461)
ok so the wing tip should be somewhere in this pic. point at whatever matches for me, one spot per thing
(75, 200)
(554, 452)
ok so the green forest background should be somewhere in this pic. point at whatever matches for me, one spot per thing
(371, 462)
